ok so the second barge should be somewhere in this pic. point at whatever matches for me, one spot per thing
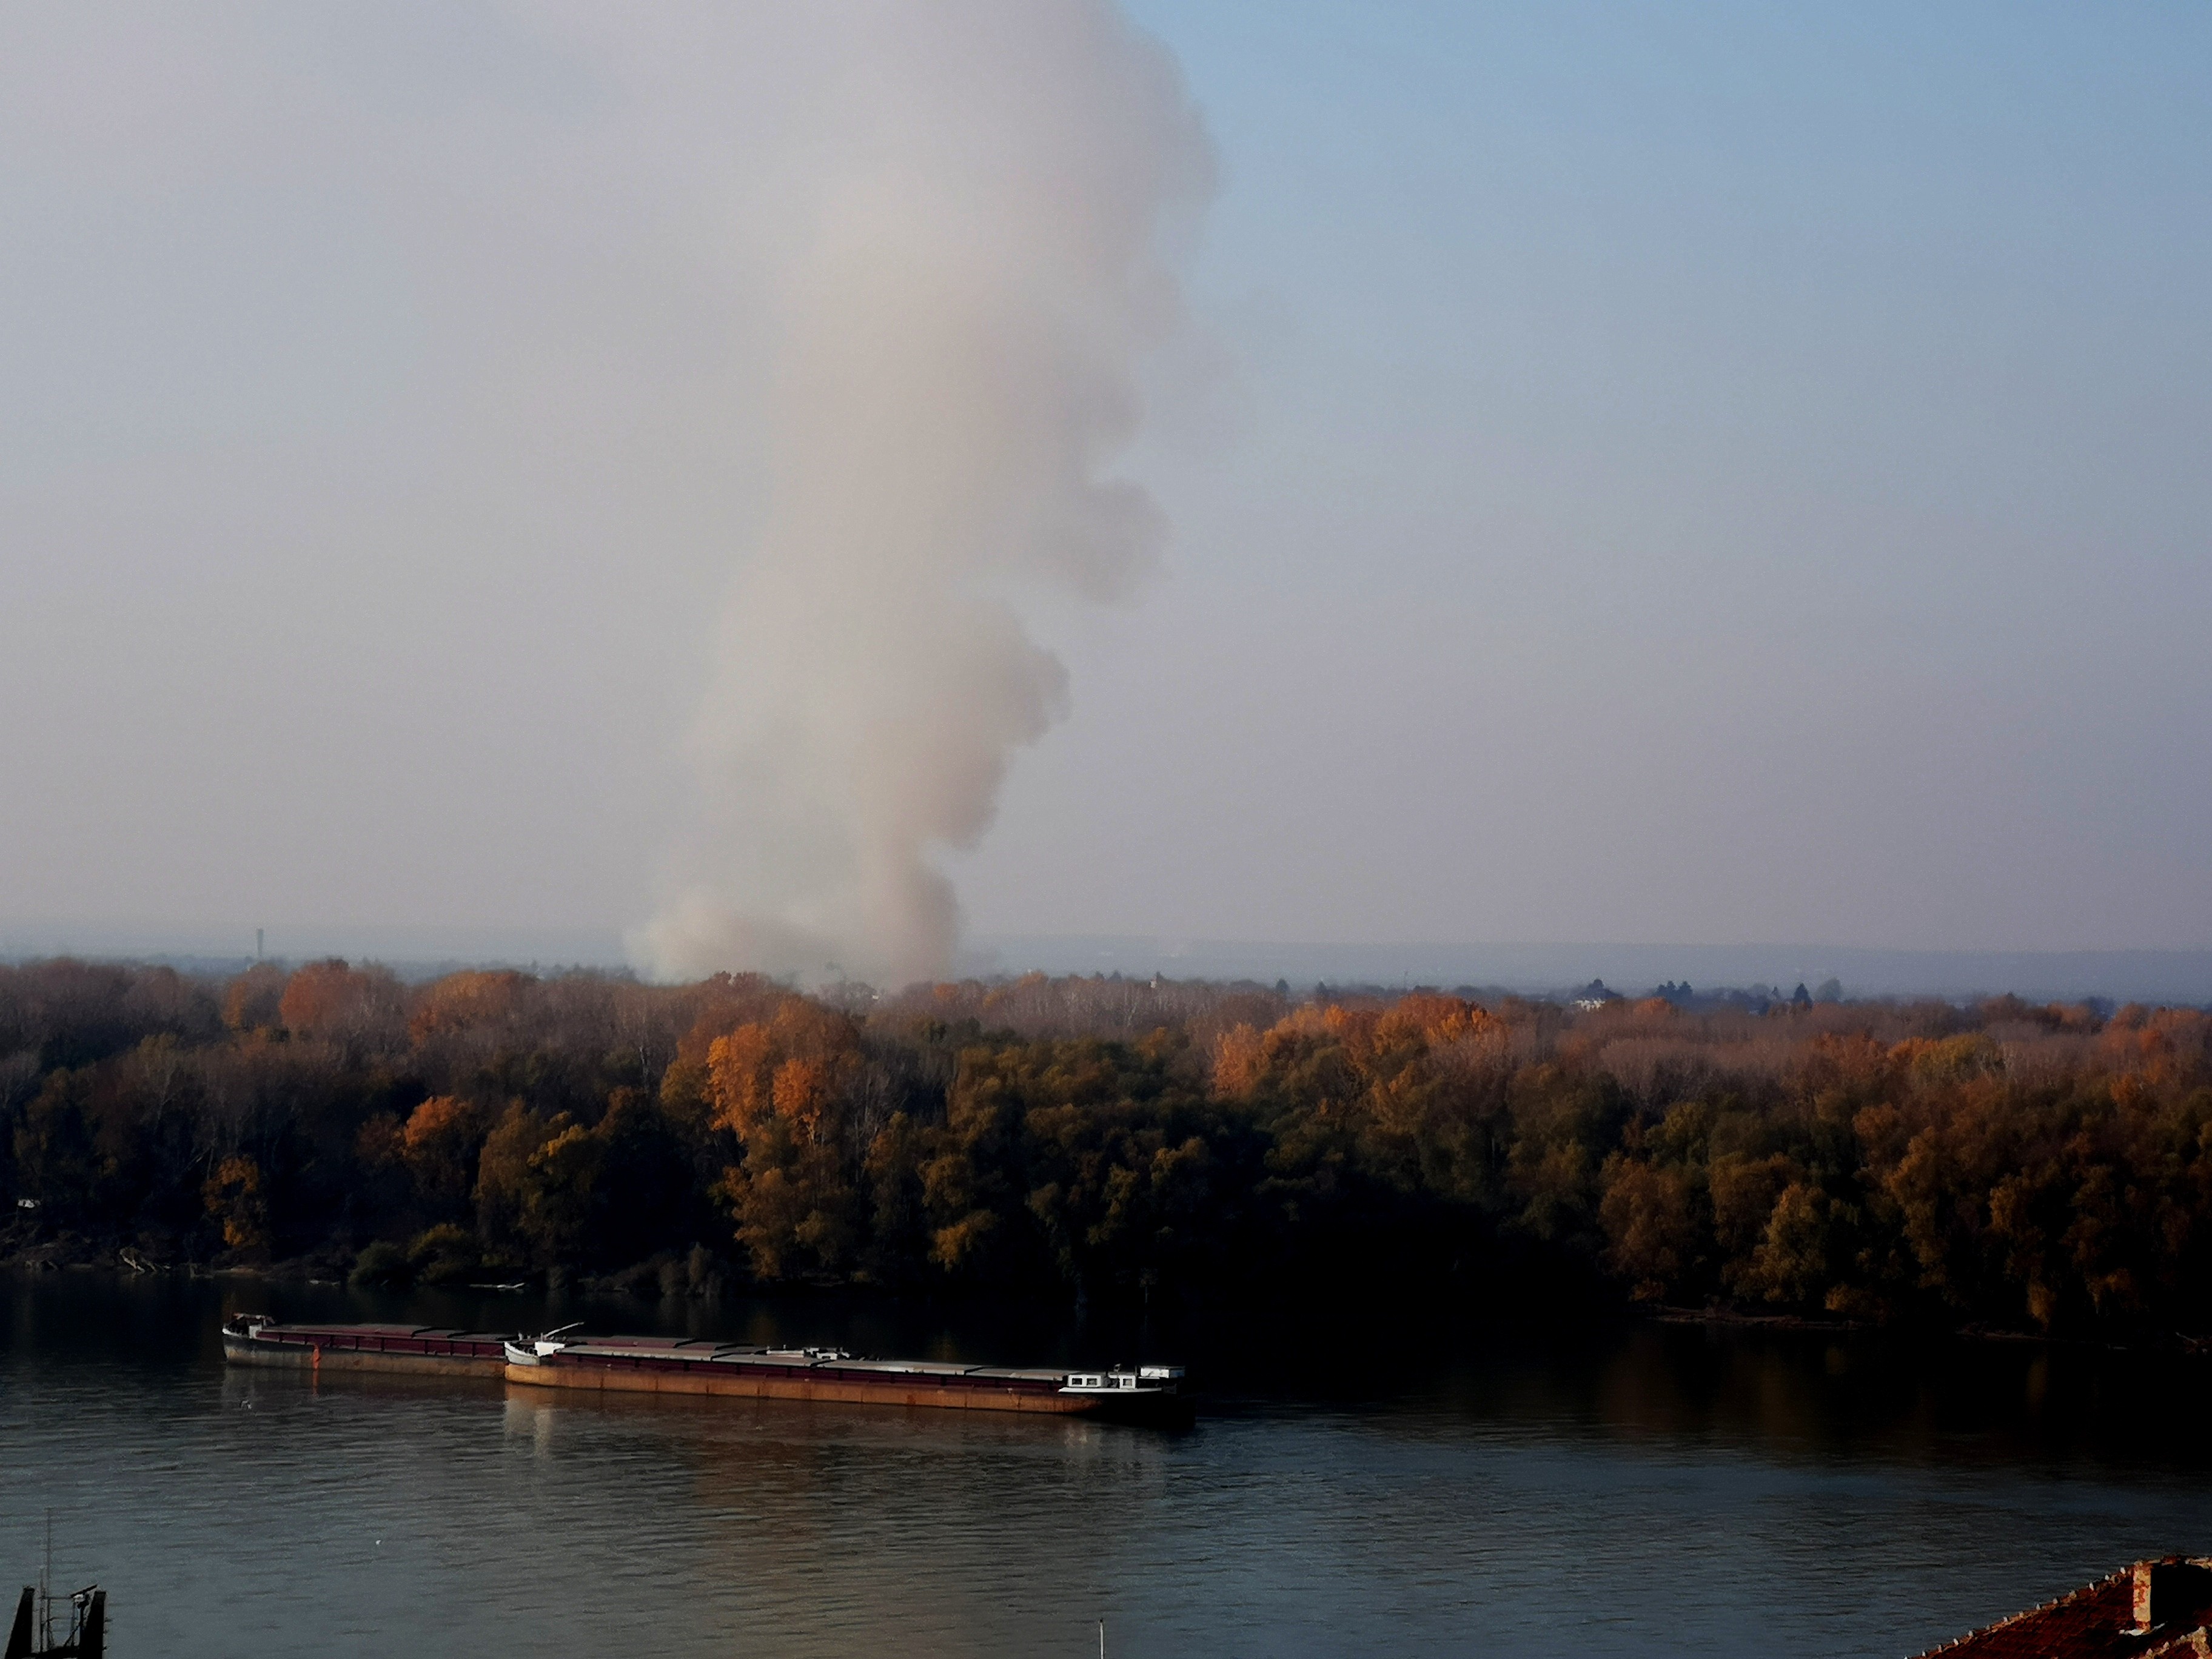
(252, 1340)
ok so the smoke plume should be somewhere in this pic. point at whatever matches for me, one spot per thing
(982, 261)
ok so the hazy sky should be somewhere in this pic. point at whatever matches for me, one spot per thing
(1655, 473)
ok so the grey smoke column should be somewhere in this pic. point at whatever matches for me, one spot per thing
(959, 327)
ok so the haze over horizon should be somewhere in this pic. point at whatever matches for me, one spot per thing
(1732, 475)
(1557, 968)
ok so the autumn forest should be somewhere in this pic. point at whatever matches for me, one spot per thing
(2031, 1167)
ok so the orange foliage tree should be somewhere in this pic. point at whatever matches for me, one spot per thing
(2039, 1167)
(780, 1086)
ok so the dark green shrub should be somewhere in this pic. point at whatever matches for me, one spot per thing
(382, 1267)
(445, 1255)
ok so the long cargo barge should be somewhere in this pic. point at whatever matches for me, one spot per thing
(667, 1364)
(682, 1365)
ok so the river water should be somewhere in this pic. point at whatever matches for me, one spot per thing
(1627, 1490)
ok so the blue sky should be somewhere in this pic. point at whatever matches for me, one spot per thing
(1700, 473)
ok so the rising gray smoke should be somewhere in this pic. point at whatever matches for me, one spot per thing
(958, 327)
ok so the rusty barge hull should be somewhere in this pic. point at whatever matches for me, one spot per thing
(764, 1382)
(424, 1350)
(730, 1370)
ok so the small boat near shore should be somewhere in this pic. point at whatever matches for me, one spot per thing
(694, 1365)
(32, 1636)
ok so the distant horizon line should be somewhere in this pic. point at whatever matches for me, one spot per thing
(2122, 973)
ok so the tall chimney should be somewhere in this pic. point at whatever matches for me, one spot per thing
(2174, 1593)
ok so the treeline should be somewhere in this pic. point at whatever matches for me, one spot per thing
(2043, 1168)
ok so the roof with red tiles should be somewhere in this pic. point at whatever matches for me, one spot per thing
(2157, 1609)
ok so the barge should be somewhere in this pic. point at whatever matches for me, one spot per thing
(693, 1366)
(252, 1340)
(668, 1365)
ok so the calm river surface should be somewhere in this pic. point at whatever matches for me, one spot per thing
(1633, 1490)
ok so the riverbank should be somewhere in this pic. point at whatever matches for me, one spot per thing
(1735, 1318)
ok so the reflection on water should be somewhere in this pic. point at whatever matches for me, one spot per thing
(1616, 1491)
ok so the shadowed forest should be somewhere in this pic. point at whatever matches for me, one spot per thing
(2035, 1168)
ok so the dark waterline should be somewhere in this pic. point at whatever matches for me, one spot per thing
(1354, 1486)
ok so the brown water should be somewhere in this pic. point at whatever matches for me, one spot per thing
(1392, 1491)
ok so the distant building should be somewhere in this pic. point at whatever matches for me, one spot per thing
(1595, 995)
(2152, 1610)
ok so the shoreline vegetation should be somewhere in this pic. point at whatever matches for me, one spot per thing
(1999, 1170)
